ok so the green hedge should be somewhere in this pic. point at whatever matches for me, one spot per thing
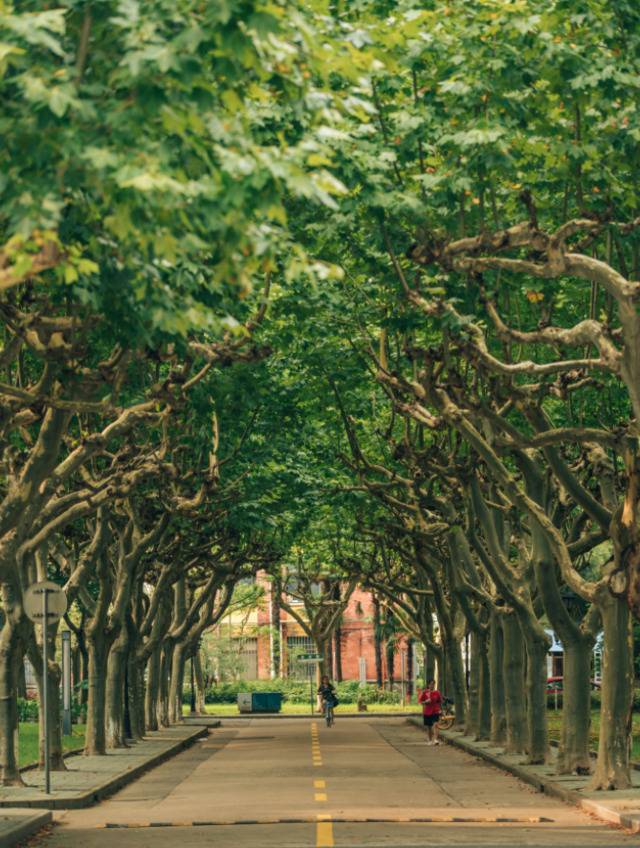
(27, 709)
(295, 692)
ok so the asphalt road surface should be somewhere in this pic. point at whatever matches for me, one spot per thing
(297, 784)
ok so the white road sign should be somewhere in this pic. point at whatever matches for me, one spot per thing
(34, 602)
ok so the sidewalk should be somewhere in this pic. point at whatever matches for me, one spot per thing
(620, 808)
(89, 779)
(17, 825)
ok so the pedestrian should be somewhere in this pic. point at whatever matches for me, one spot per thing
(431, 701)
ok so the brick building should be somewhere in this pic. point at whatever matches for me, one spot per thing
(353, 649)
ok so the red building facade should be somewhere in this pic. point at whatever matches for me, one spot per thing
(353, 651)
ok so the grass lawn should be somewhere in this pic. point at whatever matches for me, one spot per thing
(555, 719)
(29, 741)
(292, 709)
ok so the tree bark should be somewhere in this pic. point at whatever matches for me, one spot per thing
(390, 655)
(95, 739)
(165, 673)
(536, 681)
(200, 683)
(573, 754)
(514, 686)
(455, 671)
(484, 688)
(152, 690)
(276, 653)
(10, 658)
(613, 770)
(115, 700)
(472, 724)
(377, 642)
(135, 696)
(176, 683)
(498, 732)
(337, 653)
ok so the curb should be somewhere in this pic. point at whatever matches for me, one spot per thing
(545, 785)
(73, 752)
(333, 819)
(24, 828)
(118, 781)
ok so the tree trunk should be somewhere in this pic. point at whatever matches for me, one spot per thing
(152, 690)
(484, 689)
(135, 694)
(10, 658)
(276, 650)
(377, 643)
(613, 764)
(115, 700)
(498, 733)
(56, 760)
(337, 653)
(430, 659)
(410, 669)
(514, 686)
(165, 673)
(390, 655)
(22, 681)
(95, 739)
(472, 724)
(176, 683)
(536, 680)
(455, 671)
(200, 683)
(573, 754)
(81, 673)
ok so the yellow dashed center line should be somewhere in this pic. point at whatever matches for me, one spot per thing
(324, 827)
(324, 834)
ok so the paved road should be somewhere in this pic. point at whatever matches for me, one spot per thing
(325, 781)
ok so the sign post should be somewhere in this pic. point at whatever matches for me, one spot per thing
(45, 602)
(66, 682)
(310, 660)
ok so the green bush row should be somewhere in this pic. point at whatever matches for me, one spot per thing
(296, 692)
(27, 709)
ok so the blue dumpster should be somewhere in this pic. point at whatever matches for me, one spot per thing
(266, 702)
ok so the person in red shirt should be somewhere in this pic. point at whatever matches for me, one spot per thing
(431, 701)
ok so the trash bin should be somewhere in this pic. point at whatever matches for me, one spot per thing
(244, 702)
(266, 702)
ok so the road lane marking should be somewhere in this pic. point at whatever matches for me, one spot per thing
(324, 834)
(321, 796)
(319, 784)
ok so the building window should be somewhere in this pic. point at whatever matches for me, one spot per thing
(248, 660)
(297, 645)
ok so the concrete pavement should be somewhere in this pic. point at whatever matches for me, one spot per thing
(297, 784)
(89, 779)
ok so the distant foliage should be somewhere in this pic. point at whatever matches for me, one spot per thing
(297, 692)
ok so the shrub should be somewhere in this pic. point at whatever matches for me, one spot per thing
(296, 691)
(28, 709)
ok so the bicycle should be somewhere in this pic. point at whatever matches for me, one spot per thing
(447, 716)
(328, 712)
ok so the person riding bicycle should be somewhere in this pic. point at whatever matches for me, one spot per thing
(327, 692)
